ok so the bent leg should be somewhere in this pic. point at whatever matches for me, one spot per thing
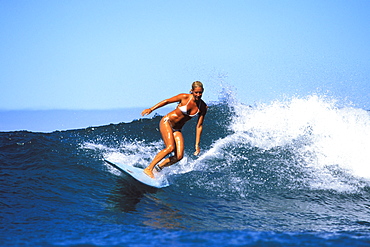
(169, 141)
(179, 151)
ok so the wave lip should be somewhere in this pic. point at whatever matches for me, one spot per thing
(302, 141)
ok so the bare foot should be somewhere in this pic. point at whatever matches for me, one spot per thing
(149, 172)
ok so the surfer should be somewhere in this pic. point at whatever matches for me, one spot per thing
(190, 105)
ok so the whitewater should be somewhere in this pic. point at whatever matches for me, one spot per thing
(293, 172)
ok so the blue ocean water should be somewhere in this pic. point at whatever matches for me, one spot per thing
(52, 120)
(289, 173)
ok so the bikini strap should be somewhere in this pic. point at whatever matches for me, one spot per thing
(188, 101)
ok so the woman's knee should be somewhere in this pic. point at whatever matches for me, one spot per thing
(175, 159)
(179, 157)
(169, 149)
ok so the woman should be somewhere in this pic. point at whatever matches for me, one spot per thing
(190, 105)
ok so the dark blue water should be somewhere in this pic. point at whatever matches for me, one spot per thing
(293, 173)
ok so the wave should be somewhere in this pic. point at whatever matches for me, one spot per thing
(288, 166)
(300, 143)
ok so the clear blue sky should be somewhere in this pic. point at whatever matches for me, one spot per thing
(65, 54)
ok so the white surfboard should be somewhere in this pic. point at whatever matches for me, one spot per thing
(138, 174)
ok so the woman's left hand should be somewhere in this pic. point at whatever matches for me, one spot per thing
(197, 150)
(146, 112)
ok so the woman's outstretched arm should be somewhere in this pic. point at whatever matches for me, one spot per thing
(174, 99)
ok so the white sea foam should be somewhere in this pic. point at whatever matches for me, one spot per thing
(133, 153)
(331, 143)
(322, 135)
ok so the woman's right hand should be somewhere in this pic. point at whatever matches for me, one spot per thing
(197, 150)
(146, 112)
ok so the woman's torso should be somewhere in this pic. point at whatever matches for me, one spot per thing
(186, 110)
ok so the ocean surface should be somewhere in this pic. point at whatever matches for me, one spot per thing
(52, 120)
(288, 173)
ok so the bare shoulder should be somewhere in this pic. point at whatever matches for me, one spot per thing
(178, 98)
(183, 96)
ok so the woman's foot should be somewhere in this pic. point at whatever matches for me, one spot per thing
(149, 172)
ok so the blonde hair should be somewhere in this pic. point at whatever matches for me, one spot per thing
(197, 84)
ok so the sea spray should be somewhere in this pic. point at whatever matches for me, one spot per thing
(134, 153)
(330, 145)
(294, 143)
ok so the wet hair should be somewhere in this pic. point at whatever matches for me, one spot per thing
(197, 84)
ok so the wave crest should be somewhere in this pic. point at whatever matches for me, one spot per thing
(307, 141)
